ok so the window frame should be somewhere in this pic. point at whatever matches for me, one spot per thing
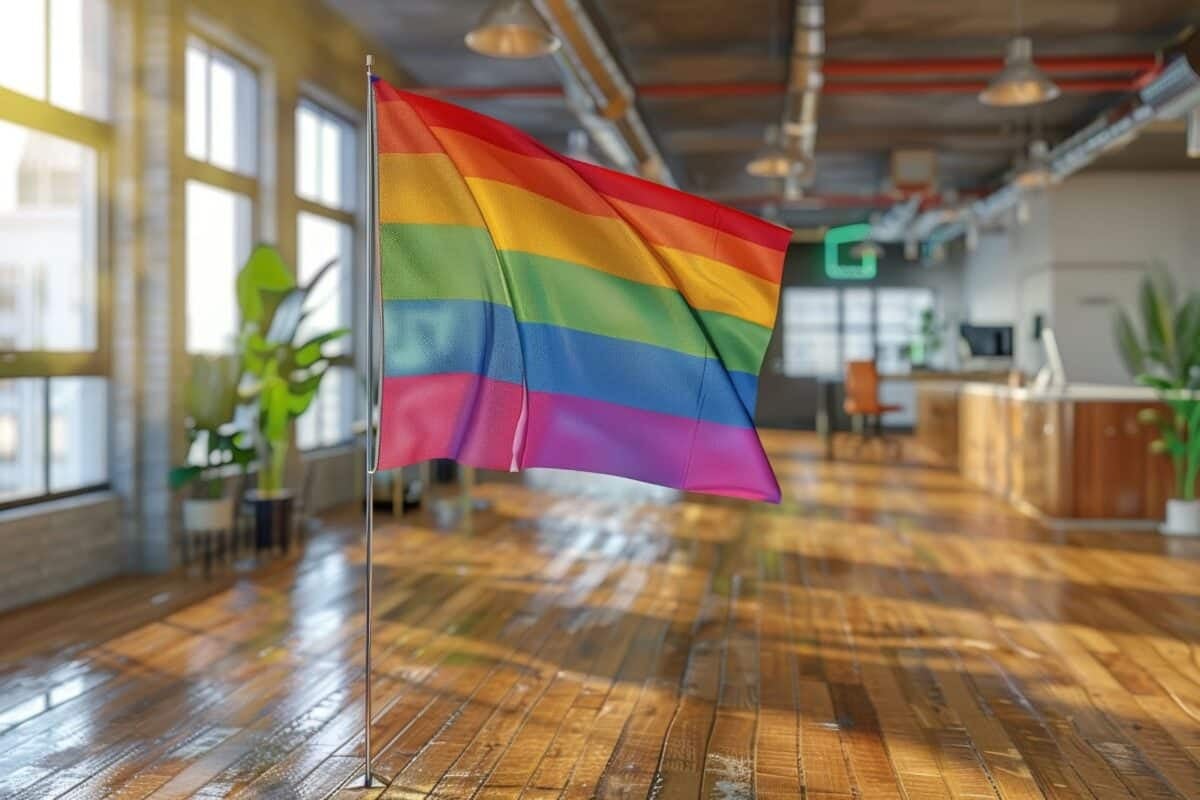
(842, 330)
(215, 49)
(97, 135)
(324, 107)
(209, 174)
(47, 98)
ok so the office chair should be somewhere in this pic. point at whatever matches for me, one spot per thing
(863, 406)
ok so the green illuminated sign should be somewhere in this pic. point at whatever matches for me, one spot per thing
(839, 263)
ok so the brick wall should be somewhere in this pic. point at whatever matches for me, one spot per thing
(59, 546)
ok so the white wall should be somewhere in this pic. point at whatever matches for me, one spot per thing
(1007, 280)
(1123, 218)
(1080, 255)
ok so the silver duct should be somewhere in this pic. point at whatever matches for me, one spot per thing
(805, 79)
(600, 94)
(1173, 93)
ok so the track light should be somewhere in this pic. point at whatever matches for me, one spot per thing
(1021, 82)
(772, 161)
(512, 29)
(1037, 173)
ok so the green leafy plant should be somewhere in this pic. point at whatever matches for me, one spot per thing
(928, 341)
(1164, 354)
(280, 372)
(214, 441)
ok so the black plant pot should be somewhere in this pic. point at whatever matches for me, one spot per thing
(272, 519)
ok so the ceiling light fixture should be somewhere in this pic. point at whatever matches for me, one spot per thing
(512, 29)
(1037, 173)
(1020, 83)
(772, 161)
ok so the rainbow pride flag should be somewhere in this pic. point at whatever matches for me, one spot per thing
(540, 311)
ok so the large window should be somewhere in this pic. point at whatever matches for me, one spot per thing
(222, 148)
(326, 187)
(825, 328)
(56, 51)
(53, 332)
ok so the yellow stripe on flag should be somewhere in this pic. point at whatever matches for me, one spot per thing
(427, 188)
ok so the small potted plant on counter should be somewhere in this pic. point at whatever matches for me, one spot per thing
(214, 444)
(283, 363)
(1165, 355)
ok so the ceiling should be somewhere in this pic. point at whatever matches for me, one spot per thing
(708, 140)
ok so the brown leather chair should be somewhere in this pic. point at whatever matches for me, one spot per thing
(862, 402)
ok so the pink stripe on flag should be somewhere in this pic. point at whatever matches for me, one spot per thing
(459, 415)
(474, 420)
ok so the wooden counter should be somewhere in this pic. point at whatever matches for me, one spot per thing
(1078, 454)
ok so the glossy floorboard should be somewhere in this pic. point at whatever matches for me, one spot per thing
(887, 632)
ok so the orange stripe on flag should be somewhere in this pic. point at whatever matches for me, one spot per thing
(547, 165)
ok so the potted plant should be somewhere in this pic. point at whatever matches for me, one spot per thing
(282, 368)
(1165, 355)
(214, 444)
(927, 342)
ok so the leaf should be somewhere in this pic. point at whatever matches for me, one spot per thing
(1128, 345)
(274, 406)
(179, 477)
(328, 265)
(1155, 382)
(1187, 336)
(212, 390)
(264, 273)
(1155, 300)
(310, 352)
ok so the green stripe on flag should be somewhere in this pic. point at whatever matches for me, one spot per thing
(455, 262)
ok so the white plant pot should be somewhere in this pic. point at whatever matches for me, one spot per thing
(1183, 518)
(207, 515)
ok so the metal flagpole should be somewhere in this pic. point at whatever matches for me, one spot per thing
(368, 779)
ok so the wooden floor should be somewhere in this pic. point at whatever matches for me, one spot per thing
(886, 633)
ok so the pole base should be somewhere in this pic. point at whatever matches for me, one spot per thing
(364, 781)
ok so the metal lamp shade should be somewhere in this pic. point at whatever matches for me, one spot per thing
(771, 162)
(1020, 83)
(512, 29)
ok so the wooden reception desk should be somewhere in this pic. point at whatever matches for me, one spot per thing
(1077, 454)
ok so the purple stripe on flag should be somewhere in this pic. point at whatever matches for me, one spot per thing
(475, 420)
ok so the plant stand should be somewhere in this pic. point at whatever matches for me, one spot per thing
(208, 519)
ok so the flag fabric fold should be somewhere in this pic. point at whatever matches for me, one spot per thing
(540, 311)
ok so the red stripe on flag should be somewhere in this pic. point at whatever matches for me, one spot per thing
(435, 113)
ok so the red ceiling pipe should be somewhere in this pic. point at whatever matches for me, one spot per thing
(915, 68)
(745, 89)
(841, 200)
(1085, 85)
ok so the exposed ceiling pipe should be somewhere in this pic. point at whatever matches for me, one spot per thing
(826, 199)
(893, 224)
(799, 128)
(1092, 73)
(1174, 93)
(933, 67)
(667, 91)
(599, 92)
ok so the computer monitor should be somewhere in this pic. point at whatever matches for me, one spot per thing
(988, 341)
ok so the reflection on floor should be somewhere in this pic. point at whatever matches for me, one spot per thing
(885, 633)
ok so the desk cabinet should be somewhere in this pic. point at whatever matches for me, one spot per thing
(937, 426)
(1067, 458)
